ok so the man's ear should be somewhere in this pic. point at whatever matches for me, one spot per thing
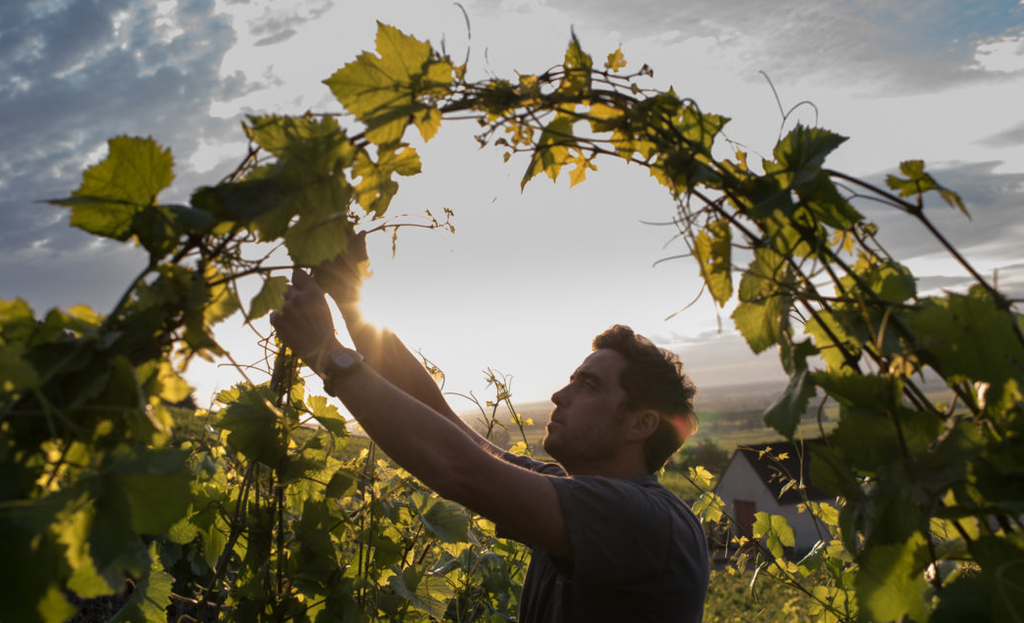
(643, 424)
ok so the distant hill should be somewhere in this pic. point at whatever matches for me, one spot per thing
(730, 415)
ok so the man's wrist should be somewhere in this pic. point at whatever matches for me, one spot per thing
(317, 360)
(340, 364)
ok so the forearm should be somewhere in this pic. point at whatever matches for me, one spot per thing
(387, 355)
(437, 452)
(304, 324)
(426, 443)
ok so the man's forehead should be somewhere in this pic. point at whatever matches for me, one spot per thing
(604, 363)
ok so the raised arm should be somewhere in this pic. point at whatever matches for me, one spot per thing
(342, 279)
(430, 445)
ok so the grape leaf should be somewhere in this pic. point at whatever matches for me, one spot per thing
(819, 194)
(777, 529)
(148, 602)
(761, 323)
(713, 253)
(615, 60)
(579, 173)
(699, 128)
(16, 374)
(376, 186)
(447, 521)
(328, 415)
(552, 150)
(784, 414)
(970, 337)
(428, 122)
(315, 239)
(115, 190)
(253, 427)
(305, 145)
(577, 66)
(800, 154)
(382, 90)
(271, 296)
(834, 342)
(890, 584)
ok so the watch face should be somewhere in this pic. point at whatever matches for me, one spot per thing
(343, 361)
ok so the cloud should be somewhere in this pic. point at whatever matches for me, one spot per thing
(904, 46)
(1008, 279)
(275, 19)
(1002, 54)
(1009, 138)
(72, 75)
(994, 200)
(86, 71)
(277, 37)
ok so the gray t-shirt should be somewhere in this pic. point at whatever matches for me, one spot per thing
(639, 554)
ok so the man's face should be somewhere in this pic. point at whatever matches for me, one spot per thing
(589, 418)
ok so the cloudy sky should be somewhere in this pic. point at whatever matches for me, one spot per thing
(529, 277)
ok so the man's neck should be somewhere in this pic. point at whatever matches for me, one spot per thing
(623, 470)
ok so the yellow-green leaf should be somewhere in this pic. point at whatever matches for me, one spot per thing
(777, 530)
(552, 150)
(701, 477)
(709, 507)
(890, 584)
(221, 301)
(713, 251)
(428, 122)
(761, 322)
(577, 67)
(382, 89)
(152, 595)
(328, 415)
(376, 186)
(124, 183)
(315, 239)
(800, 154)
(615, 60)
(271, 296)
(172, 387)
(308, 146)
(832, 340)
(579, 173)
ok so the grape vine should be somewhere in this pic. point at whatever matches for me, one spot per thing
(257, 515)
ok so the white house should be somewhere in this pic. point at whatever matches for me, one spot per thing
(753, 482)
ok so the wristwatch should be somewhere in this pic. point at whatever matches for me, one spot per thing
(340, 364)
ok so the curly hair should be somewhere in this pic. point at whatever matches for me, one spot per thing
(653, 379)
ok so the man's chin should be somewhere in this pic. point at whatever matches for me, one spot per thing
(550, 447)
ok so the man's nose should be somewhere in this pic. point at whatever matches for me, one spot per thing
(559, 397)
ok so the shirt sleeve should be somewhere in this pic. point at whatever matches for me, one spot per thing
(620, 531)
(541, 467)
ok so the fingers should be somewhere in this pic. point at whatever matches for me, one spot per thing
(304, 321)
(357, 247)
(302, 281)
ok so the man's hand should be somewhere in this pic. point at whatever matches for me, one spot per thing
(343, 276)
(304, 323)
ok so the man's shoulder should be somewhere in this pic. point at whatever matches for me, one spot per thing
(643, 494)
(631, 533)
(641, 504)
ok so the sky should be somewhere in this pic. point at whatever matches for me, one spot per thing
(529, 277)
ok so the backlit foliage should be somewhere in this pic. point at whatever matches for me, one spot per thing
(256, 517)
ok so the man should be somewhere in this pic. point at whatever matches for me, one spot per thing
(609, 543)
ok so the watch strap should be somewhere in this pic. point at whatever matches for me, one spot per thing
(338, 364)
